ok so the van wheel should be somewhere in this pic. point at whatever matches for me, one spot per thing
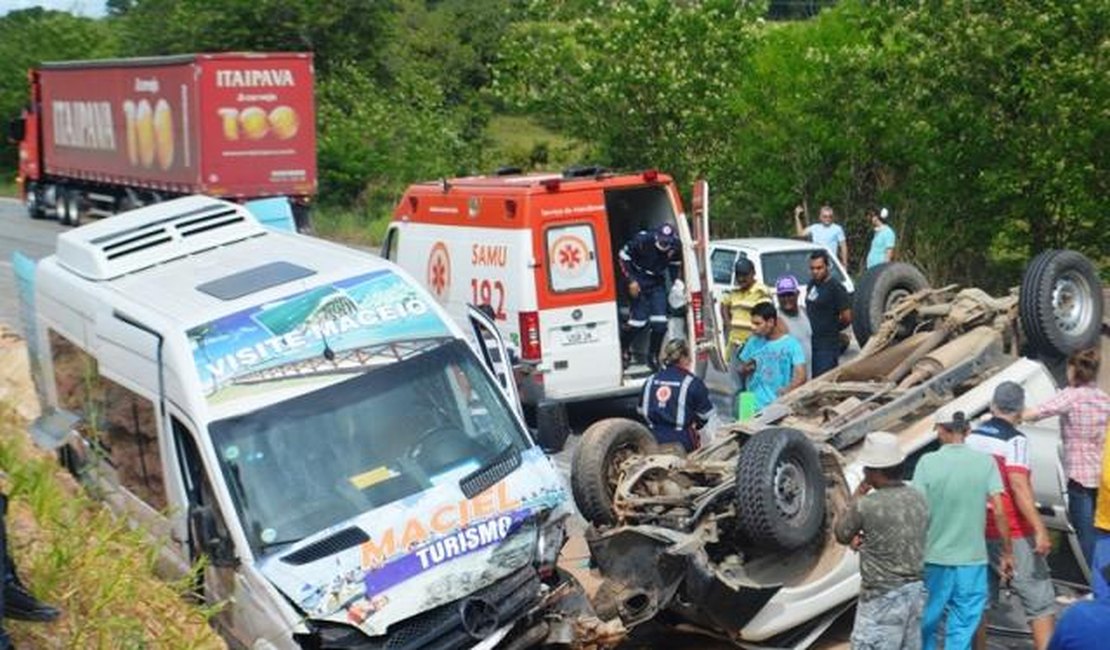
(552, 426)
(881, 288)
(595, 469)
(780, 490)
(1060, 304)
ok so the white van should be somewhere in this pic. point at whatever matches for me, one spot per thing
(308, 418)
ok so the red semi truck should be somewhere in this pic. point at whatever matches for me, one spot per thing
(100, 137)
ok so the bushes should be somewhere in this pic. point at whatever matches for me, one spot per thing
(978, 125)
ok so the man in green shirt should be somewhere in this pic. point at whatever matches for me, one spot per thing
(957, 481)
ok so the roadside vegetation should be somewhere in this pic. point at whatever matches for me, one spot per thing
(979, 125)
(74, 553)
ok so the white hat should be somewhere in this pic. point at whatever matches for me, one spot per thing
(880, 450)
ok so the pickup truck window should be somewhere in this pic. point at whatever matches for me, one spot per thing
(721, 261)
(796, 263)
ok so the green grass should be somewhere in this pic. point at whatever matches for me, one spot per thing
(523, 142)
(350, 225)
(72, 551)
(8, 186)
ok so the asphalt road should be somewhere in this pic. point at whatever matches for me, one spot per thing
(36, 239)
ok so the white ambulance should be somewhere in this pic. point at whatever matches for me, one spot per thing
(539, 252)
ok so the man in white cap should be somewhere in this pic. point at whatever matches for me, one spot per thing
(886, 521)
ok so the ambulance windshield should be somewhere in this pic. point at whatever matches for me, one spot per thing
(299, 466)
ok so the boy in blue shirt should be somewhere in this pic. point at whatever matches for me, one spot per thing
(882, 242)
(772, 361)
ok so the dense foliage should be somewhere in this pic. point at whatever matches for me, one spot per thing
(981, 125)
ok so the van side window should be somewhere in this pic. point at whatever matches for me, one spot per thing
(572, 258)
(721, 261)
(119, 422)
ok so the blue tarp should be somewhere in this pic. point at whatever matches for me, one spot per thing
(275, 213)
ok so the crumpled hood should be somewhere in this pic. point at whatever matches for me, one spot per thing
(420, 552)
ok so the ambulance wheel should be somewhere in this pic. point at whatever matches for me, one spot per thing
(881, 288)
(552, 426)
(595, 469)
(1060, 304)
(780, 490)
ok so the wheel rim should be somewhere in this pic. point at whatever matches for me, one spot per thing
(789, 487)
(72, 210)
(1072, 301)
(613, 467)
(894, 297)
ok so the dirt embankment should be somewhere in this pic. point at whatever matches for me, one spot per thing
(73, 552)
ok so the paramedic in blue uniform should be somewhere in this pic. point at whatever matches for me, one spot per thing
(644, 261)
(675, 402)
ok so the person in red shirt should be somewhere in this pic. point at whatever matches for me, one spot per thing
(1031, 581)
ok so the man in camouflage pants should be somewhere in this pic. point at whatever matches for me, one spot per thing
(886, 522)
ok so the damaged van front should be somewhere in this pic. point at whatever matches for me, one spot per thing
(348, 462)
(394, 498)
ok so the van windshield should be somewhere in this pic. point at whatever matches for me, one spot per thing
(299, 466)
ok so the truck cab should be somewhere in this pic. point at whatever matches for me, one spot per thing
(308, 419)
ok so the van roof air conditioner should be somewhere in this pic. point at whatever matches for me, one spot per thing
(154, 235)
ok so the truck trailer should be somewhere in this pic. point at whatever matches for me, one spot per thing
(106, 136)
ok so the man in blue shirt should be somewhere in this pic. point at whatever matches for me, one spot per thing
(824, 233)
(675, 402)
(644, 261)
(882, 242)
(772, 361)
(1085, 625)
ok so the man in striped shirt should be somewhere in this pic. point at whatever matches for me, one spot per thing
(1032, 582)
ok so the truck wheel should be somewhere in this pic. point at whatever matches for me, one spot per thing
(34, 202)
(552, 426)
(1060, 304)
(881, 288)
(780, 490)
(61, 201)
(73, 208)
(595, 469)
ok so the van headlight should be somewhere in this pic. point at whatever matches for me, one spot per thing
(550, 538)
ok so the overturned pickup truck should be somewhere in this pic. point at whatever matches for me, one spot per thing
(736, 539)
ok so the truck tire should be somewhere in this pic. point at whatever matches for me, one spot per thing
(880, 288)
(595, 467)
(34, 202)
(780, 490)
(1060, 303)
(73, 208)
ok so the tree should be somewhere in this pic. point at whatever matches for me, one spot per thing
(29, 37)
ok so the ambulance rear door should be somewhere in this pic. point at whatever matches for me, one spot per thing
(712, 337)
(580, 332)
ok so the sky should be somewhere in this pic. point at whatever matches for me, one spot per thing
(92, 8)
